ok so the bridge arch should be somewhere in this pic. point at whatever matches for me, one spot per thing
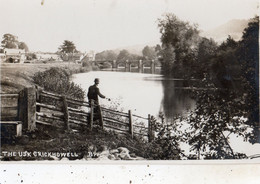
(127, 65)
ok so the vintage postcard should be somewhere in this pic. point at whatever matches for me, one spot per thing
(139, 80)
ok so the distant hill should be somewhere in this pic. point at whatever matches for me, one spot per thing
(234, 28)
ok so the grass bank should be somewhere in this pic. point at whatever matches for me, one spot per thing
(14, 77)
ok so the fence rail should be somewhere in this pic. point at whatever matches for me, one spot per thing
(36, 107)
(77, 114)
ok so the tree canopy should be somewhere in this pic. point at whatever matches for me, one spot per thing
(179, 37)
(23, 45)
(126, 55)
(229, 73)
(68, 47)
(234, 108)
(149, 52)
(11, 42)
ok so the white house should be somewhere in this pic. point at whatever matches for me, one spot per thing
(13, 55)
(89, 56)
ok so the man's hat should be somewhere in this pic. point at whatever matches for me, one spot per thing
(96, 80)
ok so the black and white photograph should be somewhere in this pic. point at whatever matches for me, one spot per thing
(129, 80)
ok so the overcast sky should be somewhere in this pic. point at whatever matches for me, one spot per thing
(107, 24)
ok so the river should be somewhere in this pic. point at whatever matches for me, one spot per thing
(150, 94)
(142, 93)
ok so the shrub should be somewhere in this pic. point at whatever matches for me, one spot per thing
(58, 80)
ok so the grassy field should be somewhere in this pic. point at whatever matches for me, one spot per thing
(15, 76)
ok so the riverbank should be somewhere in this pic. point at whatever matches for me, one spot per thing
(96, 144)
(14, 77)
(50, 144)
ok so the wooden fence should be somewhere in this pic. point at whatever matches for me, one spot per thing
(76, 115)
(9, 107)
(9, 119)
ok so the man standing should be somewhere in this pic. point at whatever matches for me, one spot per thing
(93, 92)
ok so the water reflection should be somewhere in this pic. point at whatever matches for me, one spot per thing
(176, 101)
(142, 93)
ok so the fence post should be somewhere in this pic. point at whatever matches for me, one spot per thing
(91, 113)
(131, 130)
(38, 97)
(140, 70)
(101, 117)
(126, 63)
(152, 67)
(66, 113)
(150, 128)
(27, 108)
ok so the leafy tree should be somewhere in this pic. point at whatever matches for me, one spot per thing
(206, 51)
(23, 45)
(149, 52)
(123, 55)
(166, 145)
(229, 43)
(168, 64)
(68, 47)
(182, 37)
(224, 65)
(157, 48)
(232, 110)
(10, 41)
(218, 115)
(248, 55)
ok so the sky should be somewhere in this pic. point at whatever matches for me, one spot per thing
(108, 24)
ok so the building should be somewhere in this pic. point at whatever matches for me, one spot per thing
(47, 56)
(90, 55)
(13, 56)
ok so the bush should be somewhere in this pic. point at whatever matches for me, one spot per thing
(57, 80)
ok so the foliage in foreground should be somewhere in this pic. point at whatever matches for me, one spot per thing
(213, 122)
(166, 144)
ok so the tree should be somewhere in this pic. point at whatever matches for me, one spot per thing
(182, 37)
(168, 64)
(166, 143)
(23, 46)
(218, 115)
(229, 43)
(248, 56)
(123, 55)
(232, 110)
(149, 52)
(10, 41)
(68, 47)
(206, 51)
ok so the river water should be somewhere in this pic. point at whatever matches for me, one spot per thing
(142, 93)
(150, 94)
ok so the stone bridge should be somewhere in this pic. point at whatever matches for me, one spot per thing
(141, 65)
